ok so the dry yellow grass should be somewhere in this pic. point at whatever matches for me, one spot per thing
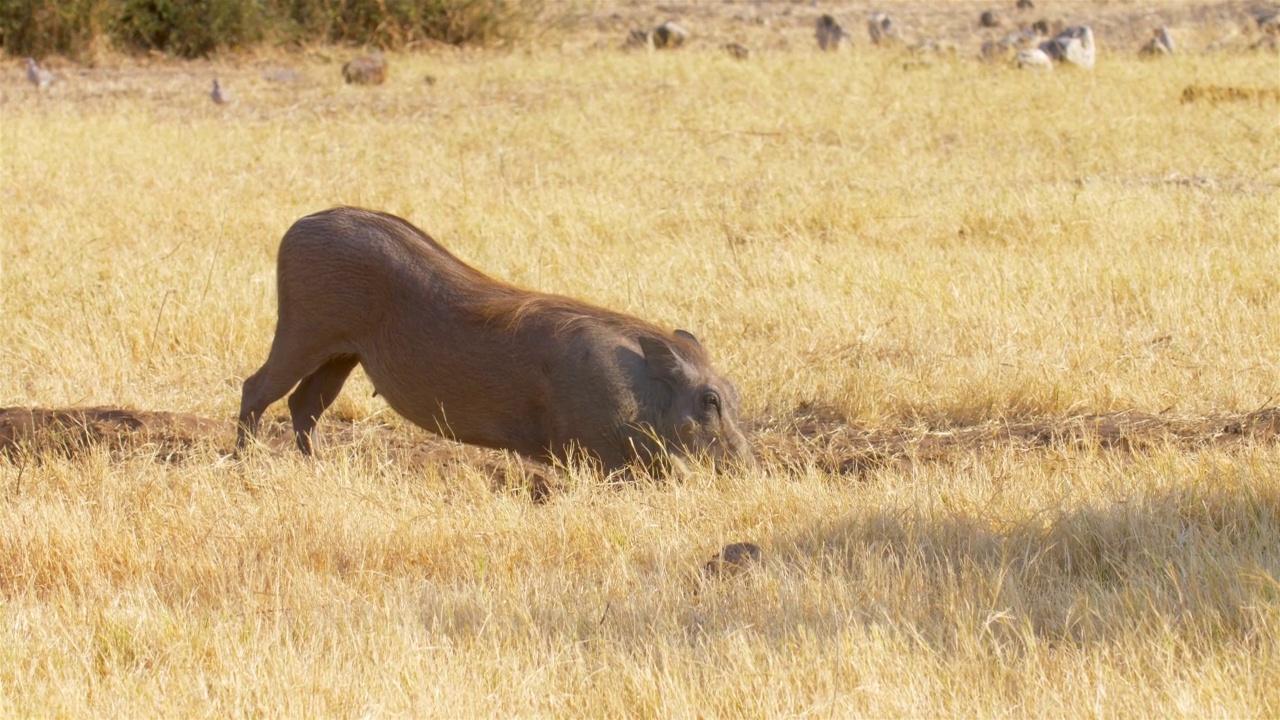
(926, 246)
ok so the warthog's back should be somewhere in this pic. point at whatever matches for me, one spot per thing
(354, 266)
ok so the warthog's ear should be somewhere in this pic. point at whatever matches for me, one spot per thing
(663, 361)
(688, 336)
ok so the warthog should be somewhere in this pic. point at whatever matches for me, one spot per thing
(478, 360)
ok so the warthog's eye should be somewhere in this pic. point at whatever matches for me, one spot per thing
(711, 402)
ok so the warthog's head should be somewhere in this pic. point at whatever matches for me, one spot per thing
(696, 411)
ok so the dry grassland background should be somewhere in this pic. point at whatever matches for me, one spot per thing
(1009, 343)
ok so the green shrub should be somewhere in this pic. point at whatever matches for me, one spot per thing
(396, 23)
(478, 21)
(190, 28)
(41, 27)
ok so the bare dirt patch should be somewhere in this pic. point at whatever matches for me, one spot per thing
(821, 438)
(170, 436)
(68, 431)
(811, 437)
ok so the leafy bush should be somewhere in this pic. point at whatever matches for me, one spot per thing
(191, 28)
(40, 27)
(396, 23)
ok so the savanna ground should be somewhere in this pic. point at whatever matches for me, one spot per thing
(1009, 344)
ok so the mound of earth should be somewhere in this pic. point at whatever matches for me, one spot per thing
(822, 438)
(67, 431)
(811, 436)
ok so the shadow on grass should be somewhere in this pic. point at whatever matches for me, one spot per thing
(1199, 562)
(820, 438)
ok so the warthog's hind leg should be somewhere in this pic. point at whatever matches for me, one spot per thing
(281, 372)
(315, 394)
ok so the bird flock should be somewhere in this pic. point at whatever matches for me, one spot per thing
(362, 70)
(1037, 45)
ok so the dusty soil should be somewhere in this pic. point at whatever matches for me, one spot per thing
(810, 437)
(33, 433)
(822, 438)
(68, 431)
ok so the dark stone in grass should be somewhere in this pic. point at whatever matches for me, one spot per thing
(733, 559)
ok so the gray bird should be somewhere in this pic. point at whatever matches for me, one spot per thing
(38, 76)
(218, 95)
(829, 33)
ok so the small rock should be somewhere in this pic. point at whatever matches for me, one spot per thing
(366, 70)
(669, 35)
(882, 29)
(1073, 45)
(733, 559)
(1033, 58)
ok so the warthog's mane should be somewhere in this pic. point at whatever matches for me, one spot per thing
(511, 307)
(501, 304)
